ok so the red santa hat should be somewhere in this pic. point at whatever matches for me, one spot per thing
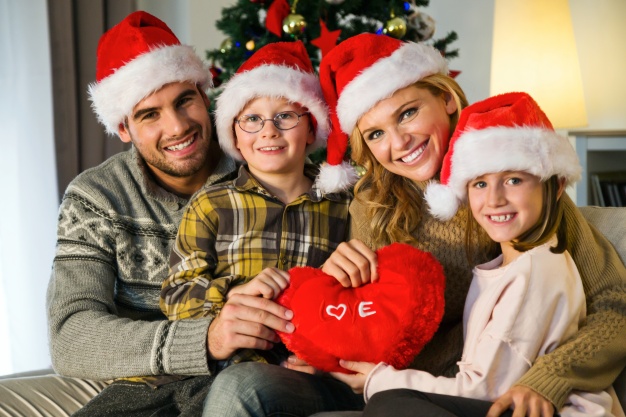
(135, 58)
(278, 69)
(507, 132)
(356, 75)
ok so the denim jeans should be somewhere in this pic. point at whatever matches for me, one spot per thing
(253, 389)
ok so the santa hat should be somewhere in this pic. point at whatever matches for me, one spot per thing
(135, 58)
(357, 74)
(508, 132)
(278, 69)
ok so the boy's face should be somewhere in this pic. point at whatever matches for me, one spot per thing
(272, 150)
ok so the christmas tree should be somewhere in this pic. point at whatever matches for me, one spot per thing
(320, 24)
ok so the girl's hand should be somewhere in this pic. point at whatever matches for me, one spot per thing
(296, 364)
(352, 264)
(355, 381)
(269, 283)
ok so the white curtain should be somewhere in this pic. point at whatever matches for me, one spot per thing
(28, 203)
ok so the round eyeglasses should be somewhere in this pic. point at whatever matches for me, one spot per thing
(285, 120)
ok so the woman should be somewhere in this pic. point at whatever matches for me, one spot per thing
(400, 108)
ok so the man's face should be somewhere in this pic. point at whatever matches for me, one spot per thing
(171, 130)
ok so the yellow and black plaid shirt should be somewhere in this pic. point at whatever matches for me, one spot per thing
(232, 231)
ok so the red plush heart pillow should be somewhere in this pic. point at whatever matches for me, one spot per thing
(387, 321)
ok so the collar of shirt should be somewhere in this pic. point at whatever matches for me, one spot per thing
(246, 182)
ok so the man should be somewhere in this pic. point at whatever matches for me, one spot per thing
(117, 223)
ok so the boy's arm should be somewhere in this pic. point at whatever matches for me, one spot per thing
(594, 357)
(190, 290)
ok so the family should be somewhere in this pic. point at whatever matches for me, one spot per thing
(170, 256)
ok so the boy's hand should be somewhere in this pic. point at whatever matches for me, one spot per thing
(352, 264)
(355, 381)
(269, 283)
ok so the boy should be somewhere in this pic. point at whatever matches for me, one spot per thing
(242, 236)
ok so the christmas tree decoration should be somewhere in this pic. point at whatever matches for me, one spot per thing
(320, 25)
(276, 13)
(226, 45)
(395, 27)
(294, 24)
(327, 39)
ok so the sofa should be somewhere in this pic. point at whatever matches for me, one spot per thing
(609, 220)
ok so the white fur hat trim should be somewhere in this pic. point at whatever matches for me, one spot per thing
(114, 97)
(541, 152)
(408, 64)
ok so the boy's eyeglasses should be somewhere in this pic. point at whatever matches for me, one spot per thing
(285, 120)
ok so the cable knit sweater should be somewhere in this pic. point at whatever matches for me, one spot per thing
(116, 228)
(588, 362)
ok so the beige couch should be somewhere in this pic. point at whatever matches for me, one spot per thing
(610, 221)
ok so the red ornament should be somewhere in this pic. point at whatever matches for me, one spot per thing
(327, 39)
(454, 73)
(215, 74)
(389, 321)
(276, 13)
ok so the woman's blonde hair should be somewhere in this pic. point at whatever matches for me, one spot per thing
(551, 221)
(395, 203)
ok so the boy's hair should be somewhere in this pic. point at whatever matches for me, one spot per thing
(395, 203)
(551, 221)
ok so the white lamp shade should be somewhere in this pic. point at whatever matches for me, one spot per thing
(534, 51)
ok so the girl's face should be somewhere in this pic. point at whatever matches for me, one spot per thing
(408, 133)
(272, 150)
(506, 204)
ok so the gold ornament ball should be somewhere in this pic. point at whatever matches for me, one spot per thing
(395, 27)
(250, 45)
(294, 24)
(226, 45)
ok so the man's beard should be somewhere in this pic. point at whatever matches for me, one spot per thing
(179, 168)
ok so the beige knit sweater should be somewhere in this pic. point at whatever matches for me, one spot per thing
(589, 362)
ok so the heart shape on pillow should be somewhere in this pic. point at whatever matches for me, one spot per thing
(387, 321)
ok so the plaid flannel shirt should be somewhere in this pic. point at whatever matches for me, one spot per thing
(232, 231)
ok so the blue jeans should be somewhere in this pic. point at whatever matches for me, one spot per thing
(253, 389)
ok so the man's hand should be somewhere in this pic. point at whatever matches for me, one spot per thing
(355, 381)
(352, 264)
(269, 283)
(524, 402)
(247, 321)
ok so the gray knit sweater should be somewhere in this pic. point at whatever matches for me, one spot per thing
(116, 228)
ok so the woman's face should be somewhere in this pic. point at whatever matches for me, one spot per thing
(408, 133)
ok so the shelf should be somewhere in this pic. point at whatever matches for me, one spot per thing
(598, 151)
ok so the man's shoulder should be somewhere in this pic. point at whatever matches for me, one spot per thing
(114, 172)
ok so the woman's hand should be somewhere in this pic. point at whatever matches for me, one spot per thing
(352, 264)
(269, 283)
(524, 401)
(354, 381)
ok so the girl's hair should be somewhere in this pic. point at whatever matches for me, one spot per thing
(551, 221)
(395, 204)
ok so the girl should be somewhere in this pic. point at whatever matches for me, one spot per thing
(506, 159)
